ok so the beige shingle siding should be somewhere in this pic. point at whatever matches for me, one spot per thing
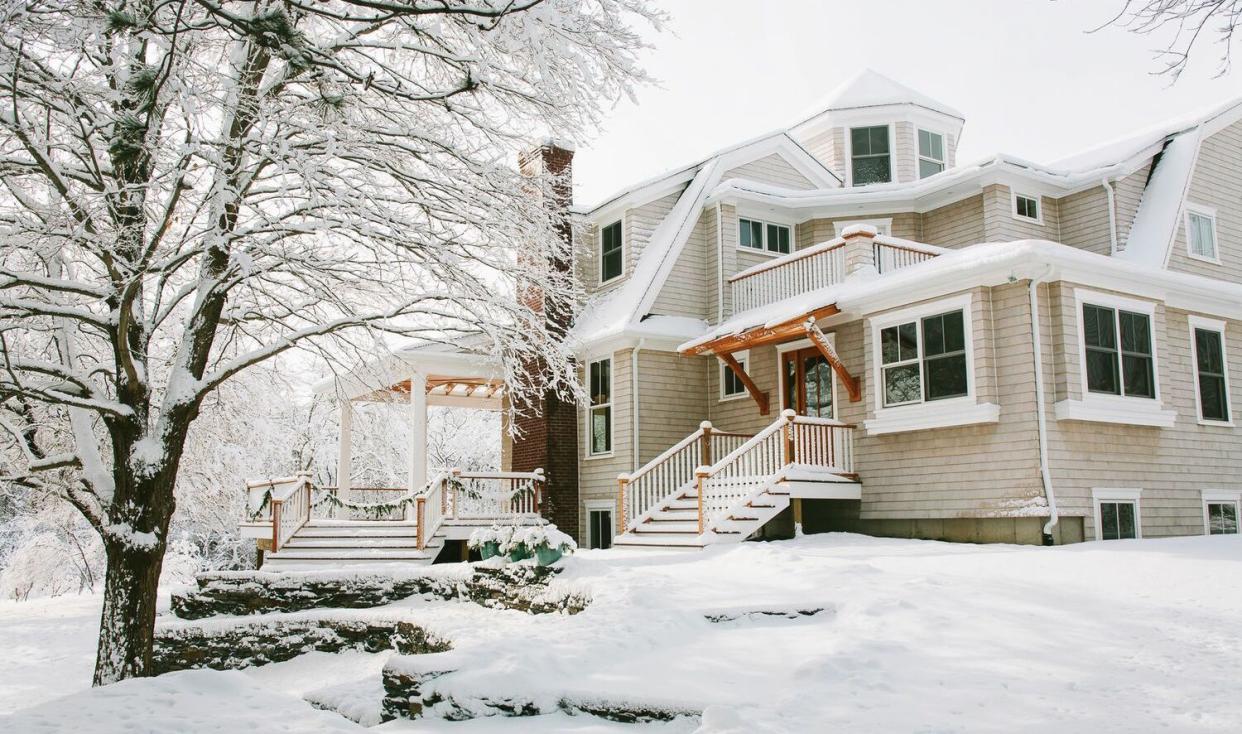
(711, 262)
(641, 222)
(1172, 466)
(1128, 193)
(829, 147)
(905, 152)
(773, 169)
(672, 399)
(955, 225)
(685, 291)
(814, 231)
(1216, 183)
(742, 414)
(1084, 220)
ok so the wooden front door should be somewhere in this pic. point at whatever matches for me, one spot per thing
(807, 382)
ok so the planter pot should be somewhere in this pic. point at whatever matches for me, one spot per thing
(547, 556)
(519, 552)
(489, 549)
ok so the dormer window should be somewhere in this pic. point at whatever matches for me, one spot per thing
(870, 160)
(611, 260)
(931, 153)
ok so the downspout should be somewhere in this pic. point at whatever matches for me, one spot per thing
(634, 403)
(719, 266)
(1112, 215)
(1041, 418)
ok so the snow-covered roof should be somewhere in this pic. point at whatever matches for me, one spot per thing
(989, 264)
(870, 88)
(1155, 223)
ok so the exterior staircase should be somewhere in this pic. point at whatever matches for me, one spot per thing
(681, 499)
(300, 526)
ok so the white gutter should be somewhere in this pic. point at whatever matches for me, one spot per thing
(634, 403)
(719, 266)
(1112, 215)
(1041, 419)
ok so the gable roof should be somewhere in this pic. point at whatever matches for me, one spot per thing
(624, 309)
(870, 88)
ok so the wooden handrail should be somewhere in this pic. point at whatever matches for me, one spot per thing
(784, 260)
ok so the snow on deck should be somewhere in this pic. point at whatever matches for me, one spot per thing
(825, 633)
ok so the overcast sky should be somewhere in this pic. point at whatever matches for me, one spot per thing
(1029, 79)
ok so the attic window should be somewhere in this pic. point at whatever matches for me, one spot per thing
(931, 153)
(611, 260)
(869, 155)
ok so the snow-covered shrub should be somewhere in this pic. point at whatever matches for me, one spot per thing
(545, 536)
(498, 534)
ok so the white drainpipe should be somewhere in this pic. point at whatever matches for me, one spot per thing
(1112, 215)
(634, 402)
(1041, 419)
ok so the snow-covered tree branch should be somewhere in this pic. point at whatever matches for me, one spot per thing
(1187, 24)
(191, 187)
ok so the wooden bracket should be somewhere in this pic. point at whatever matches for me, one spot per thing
(761, 398)
(825, 348)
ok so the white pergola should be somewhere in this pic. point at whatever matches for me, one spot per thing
(420, 376)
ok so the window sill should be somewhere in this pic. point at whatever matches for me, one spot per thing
(590, 457)
(731, 398)
(1215, 424)
(1028, 220)
(936, 414)
(1125, 411)
(1203, 258)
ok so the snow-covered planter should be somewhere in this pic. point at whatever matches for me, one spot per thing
(547, 543)
(488, 541)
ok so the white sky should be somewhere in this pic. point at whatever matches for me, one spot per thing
(1029, 79)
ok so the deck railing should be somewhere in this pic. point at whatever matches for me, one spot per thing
(669, 473)
(289, 504)
(791, 441)
(817, 266)
(361, 503)
(489, 494)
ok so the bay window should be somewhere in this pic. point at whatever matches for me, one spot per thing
(870, 161)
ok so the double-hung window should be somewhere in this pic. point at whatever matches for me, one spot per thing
(611, 253)
(1201, 233)
(931, 153)
(1220, 512)
(1211, 375)
(753, 234)
(924, 360)
(599, 423)
(1119, 358)
(869, 155)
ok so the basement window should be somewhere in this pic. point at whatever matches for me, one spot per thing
(1117, 514)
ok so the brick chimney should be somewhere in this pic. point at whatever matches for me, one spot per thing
(547, 426)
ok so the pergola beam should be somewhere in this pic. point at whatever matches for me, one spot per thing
(830, 355)
(760, 398)
(761, 335)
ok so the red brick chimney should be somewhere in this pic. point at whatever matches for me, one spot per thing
(547, 427)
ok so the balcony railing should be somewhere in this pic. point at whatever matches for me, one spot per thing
(817, 266)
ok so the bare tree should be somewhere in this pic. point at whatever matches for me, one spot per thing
(1188, 23)
(192, 187)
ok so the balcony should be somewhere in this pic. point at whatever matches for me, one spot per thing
(819, 266)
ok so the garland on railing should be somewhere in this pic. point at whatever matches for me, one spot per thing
(374, 510)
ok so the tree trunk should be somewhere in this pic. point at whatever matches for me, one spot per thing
(127, 625)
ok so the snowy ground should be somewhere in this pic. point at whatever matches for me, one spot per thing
(1125, 636)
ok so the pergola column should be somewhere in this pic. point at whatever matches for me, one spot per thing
(345, 448)
(418, 431)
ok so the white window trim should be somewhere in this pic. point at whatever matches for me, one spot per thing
(1208, 213)
(793, 346)
(1101, 494)
(743, 358)
(919, 157)
(599, 248)
(883, 226)
(1039, 207)
(612, 424)
(590, 506)
(1124, 409)
(764, 251)
(892, 151)
(1199, 322)
(959, 411)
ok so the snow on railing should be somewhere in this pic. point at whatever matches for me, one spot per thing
(753, 467)
(290, 509)
(430, 507)
(818, 266)
(805, 270)
(361, 503)
(642, 491)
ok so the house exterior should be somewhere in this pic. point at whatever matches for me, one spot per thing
(885, 340)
